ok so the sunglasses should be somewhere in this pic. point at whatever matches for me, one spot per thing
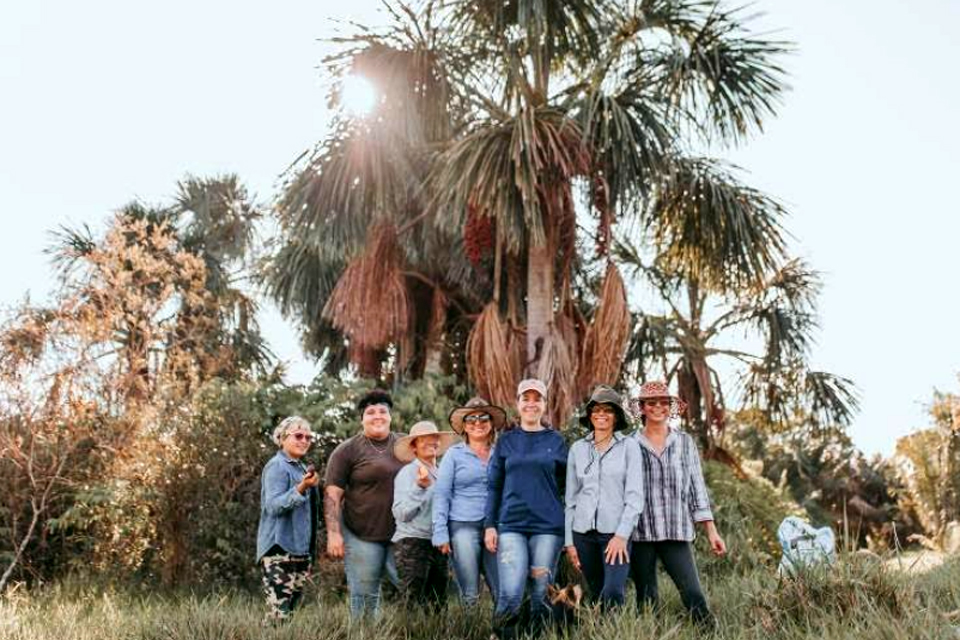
(477, 418)
(300, 436)
(663, 402)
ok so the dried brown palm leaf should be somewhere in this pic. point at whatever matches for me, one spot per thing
(370, 302)
(606, 338)
(558, 369)
(493, 361)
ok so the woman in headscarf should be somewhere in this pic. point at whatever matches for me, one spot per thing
(287, 533)
(604, 496)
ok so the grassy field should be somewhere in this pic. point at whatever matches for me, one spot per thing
(859, 598)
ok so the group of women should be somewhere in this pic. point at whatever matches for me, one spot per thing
(502, 502)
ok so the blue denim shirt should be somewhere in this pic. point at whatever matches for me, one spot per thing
(461, 493)
(412, 504)
(604, 490)
(286, 517)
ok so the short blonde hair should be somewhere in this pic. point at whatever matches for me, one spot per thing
(287, 425)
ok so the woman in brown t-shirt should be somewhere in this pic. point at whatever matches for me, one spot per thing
(358, 501)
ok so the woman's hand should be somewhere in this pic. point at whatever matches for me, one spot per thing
(490, 539)
(444, 548)
(717, 545)
(334, 545)
(312, 479)
(616, 551)
(423, 477)
(573, 556)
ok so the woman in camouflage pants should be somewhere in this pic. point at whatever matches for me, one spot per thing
(289, 508)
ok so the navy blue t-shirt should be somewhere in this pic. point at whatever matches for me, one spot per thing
(525, 477)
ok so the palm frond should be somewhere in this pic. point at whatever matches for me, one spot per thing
(717, 67)
(629, 139)
(503, 168)
(370, 303)
(356, 177)
(711, 228)
(69, 245)
(830, 399)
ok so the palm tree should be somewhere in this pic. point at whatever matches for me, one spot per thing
(210, 219)
(761, 331)
(519, 134)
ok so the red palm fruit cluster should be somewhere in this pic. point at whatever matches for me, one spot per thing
(477, 235)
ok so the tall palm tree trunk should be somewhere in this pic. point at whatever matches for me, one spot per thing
(539, 302)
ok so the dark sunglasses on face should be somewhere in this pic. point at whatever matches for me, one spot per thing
(301, 436)
(663, 402)
(477, 418)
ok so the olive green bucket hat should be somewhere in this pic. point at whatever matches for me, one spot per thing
(602, 394)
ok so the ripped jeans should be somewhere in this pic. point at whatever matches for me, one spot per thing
(524, 559)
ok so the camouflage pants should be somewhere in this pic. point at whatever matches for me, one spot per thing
(284, 577)
(423, 572)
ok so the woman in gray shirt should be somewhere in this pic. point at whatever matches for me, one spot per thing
(604, 496)
(421, 567)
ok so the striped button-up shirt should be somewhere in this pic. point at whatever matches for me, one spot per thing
(674, 489)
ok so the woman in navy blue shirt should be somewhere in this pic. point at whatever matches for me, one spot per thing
(524, 515)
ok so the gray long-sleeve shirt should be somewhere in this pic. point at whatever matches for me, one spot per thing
(412, 504)
(604, 491)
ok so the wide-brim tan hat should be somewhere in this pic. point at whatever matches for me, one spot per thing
(498, 417)
(403, 450)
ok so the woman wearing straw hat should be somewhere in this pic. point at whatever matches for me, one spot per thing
(289, 506)
(461, 496)
(357, 503)
(524, 514)
(604, 496)
(421, 567)
(676, 498)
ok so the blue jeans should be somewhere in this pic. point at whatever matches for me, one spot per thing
(608, 582)
(522, 560)
(470, 558)
(365, 564)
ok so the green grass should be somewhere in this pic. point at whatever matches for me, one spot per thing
(857, 599)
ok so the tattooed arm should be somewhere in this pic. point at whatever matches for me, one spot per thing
(332, 509)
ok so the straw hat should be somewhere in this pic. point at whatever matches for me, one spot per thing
(403, 450)
(498, 416)
(602, 394)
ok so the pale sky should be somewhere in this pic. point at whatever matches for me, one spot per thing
(104, 101)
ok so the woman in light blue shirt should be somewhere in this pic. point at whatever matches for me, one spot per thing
(604, 497)
(461, 495)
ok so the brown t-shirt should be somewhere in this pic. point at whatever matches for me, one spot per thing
(365, 469)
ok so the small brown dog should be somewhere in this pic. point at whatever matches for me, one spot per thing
(565, 603)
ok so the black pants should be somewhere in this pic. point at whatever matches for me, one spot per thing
(606, 582)
(422, 570)
(677, 559)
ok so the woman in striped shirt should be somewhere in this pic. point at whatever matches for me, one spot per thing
(675, 498)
